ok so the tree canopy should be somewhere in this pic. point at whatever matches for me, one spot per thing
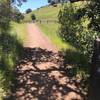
(81, 26)
(28, 10)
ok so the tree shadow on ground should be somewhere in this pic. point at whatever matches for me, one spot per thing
(40, 75)
(76, 59)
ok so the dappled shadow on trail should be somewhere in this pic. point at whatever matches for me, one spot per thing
(40, 75)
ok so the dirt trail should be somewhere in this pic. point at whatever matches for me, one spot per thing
(40, 73)
(35, 38)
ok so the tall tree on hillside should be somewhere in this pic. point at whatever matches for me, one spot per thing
(5, 11)
(19, 2)
(16, 15)
(92, 10)
(71, 23)
(28, 10)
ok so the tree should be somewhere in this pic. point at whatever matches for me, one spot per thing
(92, 11)
(9, 45)
(28, 11)
(75, 32)
(16, 15)
(81, 27)
(33, 17)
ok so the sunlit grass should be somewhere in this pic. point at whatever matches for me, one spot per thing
(19, 30)
(47, 12)
(15, 39)
(51, 31)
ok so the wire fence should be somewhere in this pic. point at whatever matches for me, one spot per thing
(42, 21)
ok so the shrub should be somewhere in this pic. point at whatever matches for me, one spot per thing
(75, 30)
(33, 17)
(28, 11)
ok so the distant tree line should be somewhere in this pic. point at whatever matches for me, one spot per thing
(61, 1)
(10, 47)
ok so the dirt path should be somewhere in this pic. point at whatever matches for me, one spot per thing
(35, 38)
(40, 73)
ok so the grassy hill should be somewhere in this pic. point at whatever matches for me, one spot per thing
(15, 39)
(49, 12)
(46, 12)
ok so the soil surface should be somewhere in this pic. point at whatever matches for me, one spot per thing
(40, 74)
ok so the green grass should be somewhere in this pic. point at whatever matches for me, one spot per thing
(19, 29)
(15, 39)
(50, 12)
(47, 12)
(51, 31)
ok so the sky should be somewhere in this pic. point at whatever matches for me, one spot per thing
(33, 4)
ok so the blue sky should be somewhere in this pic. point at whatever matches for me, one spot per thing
(33, 4)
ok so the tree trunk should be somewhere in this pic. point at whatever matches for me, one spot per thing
(94, 89)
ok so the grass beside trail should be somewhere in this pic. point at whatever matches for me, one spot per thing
(46, 13)
(8, 57)
(19, 29)
(51, 31)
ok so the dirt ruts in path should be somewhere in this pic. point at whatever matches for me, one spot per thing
(35, 38)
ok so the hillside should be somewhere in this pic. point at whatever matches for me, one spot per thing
(49, 12)
(46, 12)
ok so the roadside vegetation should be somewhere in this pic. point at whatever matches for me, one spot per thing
(12, 36)
(19, 30)
(10, 51)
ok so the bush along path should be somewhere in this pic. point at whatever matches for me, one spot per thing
(40, 73)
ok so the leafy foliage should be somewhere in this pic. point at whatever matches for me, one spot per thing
(19, 2)
(5, 11)
(74, 29)
(33, 17)
(10, 47)
(16, 15)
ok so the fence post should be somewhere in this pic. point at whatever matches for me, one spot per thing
(94, 87)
